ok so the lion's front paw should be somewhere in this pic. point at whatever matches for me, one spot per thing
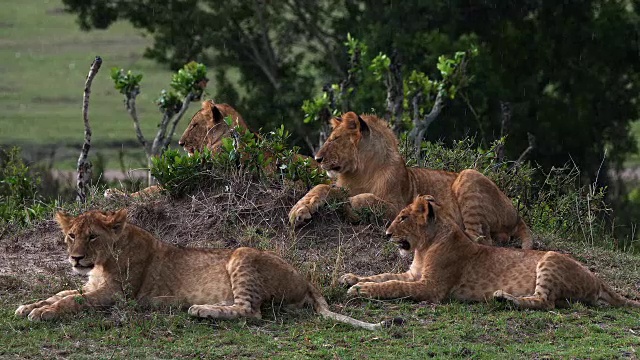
(502, 296)
(195, 310)
(46, 312)
(113, 193)
(349, 279)
(24, 310)
(359, 290)
(299, 214)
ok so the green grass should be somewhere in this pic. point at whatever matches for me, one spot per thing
(44, 61)
(449, 330)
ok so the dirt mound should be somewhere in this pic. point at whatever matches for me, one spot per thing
(231, 213)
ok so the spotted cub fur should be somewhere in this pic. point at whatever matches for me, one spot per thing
(448, 264)
(122, 259)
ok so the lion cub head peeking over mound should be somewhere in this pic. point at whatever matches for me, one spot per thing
(123, 260)
(207, 127)
(447, 264)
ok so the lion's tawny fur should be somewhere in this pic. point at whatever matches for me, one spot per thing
(208, 128)
(448, 264)
(125, 261)
(362, 153)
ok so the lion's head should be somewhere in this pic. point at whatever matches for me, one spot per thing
(90, 236)
(413, 228)
(357, 142)
(207, 127)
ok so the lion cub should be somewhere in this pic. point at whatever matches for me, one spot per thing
(362, 155)
(123, 259)
(448, 264)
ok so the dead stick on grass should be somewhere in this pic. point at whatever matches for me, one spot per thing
(84, 165)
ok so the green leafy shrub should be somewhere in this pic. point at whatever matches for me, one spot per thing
(180, 174)
(19, 199)
(265, 157)
(558, 204)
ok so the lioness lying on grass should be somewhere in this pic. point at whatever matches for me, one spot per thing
(448, 264)
(122, 259)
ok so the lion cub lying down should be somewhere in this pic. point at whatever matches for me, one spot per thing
(447, 264)
(122, 258)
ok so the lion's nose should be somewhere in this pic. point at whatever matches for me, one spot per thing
(77, 258)
(389, 235)
(180, 142)
(318, 159)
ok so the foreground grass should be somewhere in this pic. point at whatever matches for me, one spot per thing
(450, 330)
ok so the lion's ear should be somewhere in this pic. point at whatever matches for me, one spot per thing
(335, 121)
(432, 206)
(364, 128)
(218, 117)
(117, 221)
(207, 105)
(63, 220)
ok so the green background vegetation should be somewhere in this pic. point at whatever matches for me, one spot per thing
(45, 60)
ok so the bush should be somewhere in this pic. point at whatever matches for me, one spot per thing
(19, 199)
(558, 204)
(265, 157)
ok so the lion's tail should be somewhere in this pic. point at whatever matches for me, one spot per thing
(608, 295)
(321, 307)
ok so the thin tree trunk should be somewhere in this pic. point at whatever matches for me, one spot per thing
(84, 165)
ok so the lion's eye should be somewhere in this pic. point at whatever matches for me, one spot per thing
(403, 218)
(71, 236)
(92, 237)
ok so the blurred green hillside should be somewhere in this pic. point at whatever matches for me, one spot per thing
(44, 60)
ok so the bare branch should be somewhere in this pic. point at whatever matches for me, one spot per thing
(158, 141)
(130, 105)
(420, 127)
(395, 92)
(505, 108)
(350, 80)
(176, 119)
(316, 32)
(257, 57)
(264, 33)
(532, 145)
(84, 166)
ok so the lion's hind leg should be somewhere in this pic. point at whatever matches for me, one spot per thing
(547, 289)
(247, 294)
(536, 301)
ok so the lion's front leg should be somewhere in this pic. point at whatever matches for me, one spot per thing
(310, 203)
(395, 289)
(24, 310)
(352, 279)
(71, 302)
(360, 202)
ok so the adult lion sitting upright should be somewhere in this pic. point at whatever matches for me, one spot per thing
(362, 155)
